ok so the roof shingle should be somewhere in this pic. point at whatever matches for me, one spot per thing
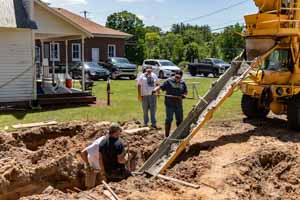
(90, 26)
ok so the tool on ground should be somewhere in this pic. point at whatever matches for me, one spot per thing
(110, 190)
(86, 194)
(239, 160)
(178, 181)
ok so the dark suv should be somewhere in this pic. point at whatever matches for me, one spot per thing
(209, 66)
(93, 71)
(121, 67)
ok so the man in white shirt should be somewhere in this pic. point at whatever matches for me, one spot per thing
(147, 82)
(90, 156)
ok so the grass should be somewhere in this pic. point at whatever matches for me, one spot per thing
(124, 106)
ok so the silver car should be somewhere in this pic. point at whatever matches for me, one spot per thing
(162, 68)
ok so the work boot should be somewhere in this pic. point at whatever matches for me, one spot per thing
(167, 129)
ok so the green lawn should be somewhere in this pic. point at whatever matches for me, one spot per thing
(124, 106)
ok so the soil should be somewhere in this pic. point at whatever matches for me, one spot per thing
(236, 159)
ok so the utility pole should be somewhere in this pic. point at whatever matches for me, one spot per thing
(85, 13)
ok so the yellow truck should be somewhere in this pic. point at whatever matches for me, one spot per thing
(274, 84)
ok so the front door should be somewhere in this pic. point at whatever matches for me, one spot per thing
(95, 55)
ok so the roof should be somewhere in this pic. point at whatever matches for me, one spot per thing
(90, 26)
(14, 15)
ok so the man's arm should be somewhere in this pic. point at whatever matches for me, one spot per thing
(102, 168)
(122, 159)
(139, 88)
(185, 90)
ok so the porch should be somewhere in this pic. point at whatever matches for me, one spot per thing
(53, 84)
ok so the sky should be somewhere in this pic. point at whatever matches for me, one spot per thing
(163, 13)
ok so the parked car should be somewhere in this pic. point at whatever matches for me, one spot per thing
(209, 66)
(121, 67)
(93, 71)
(162, 68)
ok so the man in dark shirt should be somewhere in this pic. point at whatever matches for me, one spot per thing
(112, 156)
(176, 91)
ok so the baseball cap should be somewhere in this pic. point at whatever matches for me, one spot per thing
(114, 127)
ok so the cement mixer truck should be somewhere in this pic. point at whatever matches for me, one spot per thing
(274, 85)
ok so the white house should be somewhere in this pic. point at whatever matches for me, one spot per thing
(22, 22)
(17, 70)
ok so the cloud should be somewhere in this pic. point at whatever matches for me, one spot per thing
(67, 2)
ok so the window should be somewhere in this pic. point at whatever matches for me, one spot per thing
(147, 62)
(76, 52)
(37, 55)
(279, 60)
(111, 50)
(54, 53)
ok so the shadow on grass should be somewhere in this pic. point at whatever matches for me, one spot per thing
(21, 113)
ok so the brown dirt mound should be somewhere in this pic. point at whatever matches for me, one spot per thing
(269, 174)
(33, 160)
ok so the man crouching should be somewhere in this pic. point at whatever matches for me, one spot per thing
(110, 161)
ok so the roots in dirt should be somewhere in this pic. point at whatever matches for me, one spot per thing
(269, 174)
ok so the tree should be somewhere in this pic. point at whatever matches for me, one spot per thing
(151, 41)
(130, 23)
(153, 29)
(231, 43)
(191, 52)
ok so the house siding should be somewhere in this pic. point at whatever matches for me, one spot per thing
(16, 65)
(101, 43)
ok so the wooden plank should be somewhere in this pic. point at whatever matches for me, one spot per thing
(110, 190)
(178, 181)
(137, 130)
(32, 125)
(109, 195)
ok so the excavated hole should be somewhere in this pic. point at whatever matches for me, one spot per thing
(35, 159)
(33, 139)
(269, 174)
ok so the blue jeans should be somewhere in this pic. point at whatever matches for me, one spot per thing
(149, 103)
(174, 109)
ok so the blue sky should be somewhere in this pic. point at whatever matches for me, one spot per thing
(162, 13)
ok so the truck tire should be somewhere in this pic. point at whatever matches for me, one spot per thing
(193, 72)
(293, 113)
(251, 108)
(161, 75)
(216, 74)
(133, 77)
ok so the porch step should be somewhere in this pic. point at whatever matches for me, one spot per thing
(66, 100)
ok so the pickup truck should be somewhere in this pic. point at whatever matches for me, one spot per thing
(208, 66)
(120, 67)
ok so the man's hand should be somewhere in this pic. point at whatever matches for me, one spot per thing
(153, 92)
(140, 98)
(103, 175)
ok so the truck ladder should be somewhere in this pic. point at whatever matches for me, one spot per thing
(171, 147)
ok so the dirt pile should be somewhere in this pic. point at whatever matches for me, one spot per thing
(269, 174)
(33, 160)
(49, 167)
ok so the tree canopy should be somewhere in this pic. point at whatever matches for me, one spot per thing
(184, 42)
